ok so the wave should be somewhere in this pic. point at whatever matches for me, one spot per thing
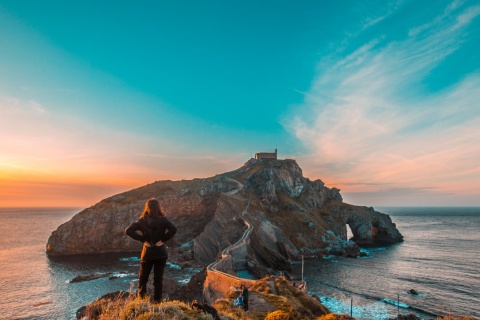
(130, 259)
(121, 274)
(395, 303)
(373, 311)
(173, 265)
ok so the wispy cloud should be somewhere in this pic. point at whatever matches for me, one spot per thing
(17, 107)
(36, 107)
(372, 21)
(364, 119)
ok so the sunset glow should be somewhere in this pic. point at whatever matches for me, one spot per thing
(380, 100)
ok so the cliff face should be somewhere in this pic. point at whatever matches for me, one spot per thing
(290, 215)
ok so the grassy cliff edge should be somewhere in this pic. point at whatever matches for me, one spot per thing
(271, 298)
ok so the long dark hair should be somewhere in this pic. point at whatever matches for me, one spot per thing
(153, 209)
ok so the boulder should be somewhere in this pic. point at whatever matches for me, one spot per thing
(412, 291)
(89, 277)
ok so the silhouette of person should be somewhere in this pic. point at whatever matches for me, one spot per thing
(153, 229)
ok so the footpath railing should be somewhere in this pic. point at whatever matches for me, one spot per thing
(218, 282)
(239, 243)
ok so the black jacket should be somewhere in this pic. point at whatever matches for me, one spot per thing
(245, 294)
(152, 230)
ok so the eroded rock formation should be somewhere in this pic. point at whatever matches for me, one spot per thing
(290, 215)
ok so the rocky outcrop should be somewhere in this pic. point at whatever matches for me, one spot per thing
(269, 247)
(190, 204)
(90, 277)
(290, 215)
(369, 227)
(338, 246)
(214, 239)
(286, 177)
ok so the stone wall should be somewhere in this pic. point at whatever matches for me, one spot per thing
(218, 284)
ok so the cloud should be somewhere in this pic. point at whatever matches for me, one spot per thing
(365, 120)
(10, 106)
(467, 17)
(36, 107)
(372, 21)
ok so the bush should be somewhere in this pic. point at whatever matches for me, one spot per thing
(262, 286)
(450, 317)
(233, 294)
(278, 315)
(135, 308)
(227, 309)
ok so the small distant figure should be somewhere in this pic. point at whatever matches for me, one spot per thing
(155, 229)
(205, 308)
(244, 296)
(302, 286)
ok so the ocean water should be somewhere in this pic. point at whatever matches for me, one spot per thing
(32, 286)
(440, 259)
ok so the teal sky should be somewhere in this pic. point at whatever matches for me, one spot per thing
(378, 98)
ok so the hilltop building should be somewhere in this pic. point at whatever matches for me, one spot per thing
(266, 155)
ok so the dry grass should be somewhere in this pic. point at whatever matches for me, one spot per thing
(263, 286)
(135, 308)
(297, 303)
(287, 302)
(278, 315)
(280, 294)
(228, 311)
(450, 317)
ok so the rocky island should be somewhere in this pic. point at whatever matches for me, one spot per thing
(288, 214)
(255, 219)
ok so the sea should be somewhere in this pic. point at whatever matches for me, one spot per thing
(439, 259)
(34, 286)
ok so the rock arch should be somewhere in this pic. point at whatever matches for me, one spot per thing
(371, 228)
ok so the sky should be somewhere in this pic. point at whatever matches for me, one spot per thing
(380, 99)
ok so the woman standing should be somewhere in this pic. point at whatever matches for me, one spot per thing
(155, 229)
(244, 296)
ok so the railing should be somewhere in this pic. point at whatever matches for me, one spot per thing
(240, 242)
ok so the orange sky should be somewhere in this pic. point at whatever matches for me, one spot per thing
(81, 184)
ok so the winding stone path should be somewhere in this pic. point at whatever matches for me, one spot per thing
(227, 252)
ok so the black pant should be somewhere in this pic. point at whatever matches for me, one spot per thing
(145, 269)
(245, 305)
